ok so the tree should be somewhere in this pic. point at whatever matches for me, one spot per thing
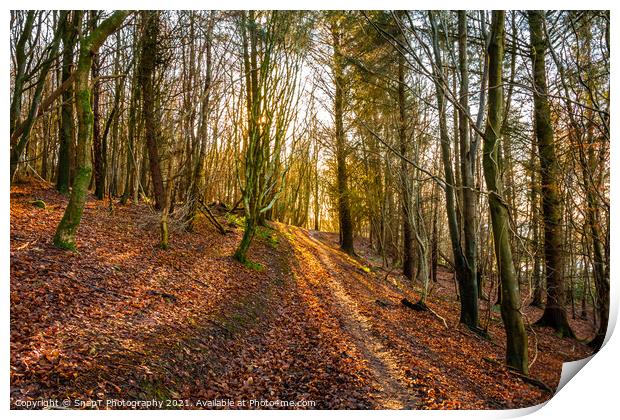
(270, 98)
(99, 143)
(344, 205)
(89, 45)
(554, 314)
(66, 126)
(197, 175)
(468, 153)
(516, 346)
(22, 132)
(465, 276)
(148, 64)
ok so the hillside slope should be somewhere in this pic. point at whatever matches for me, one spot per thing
(122, 319)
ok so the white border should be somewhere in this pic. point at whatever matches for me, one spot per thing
(593, 394)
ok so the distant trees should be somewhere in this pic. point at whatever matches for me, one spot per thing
(20, 133)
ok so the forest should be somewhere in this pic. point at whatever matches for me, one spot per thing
(265, 209)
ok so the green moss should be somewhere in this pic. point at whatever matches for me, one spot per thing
(366, 269)
(235, 220)
(268, 236)
(155, 390)
(253, 265)
(38, 203)
(62, 244)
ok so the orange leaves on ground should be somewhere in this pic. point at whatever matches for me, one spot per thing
(123, 319)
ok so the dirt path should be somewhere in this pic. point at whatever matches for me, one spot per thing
(318, 261)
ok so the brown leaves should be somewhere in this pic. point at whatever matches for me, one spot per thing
(97, 323)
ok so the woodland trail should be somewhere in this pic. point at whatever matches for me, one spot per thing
(322, 267)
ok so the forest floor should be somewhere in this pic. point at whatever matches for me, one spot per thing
(190, 327)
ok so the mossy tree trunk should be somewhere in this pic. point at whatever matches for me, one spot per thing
(270, 106)
(554, 315)
(66, 129)
(148, 64)
(89, 45)
(516, 346)
(253, 155)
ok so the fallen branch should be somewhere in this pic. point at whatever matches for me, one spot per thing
(166, 296)
(388, 273)
(211, 218)
(422, 307)
(533, 381)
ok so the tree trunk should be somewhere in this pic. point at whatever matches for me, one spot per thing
(469, 289)
(516, 346)
(66, 127)
(197, 182)
(148, 63)
(98, 146)
(404, 175)
(344, 206)
(554, 315)
(65, 233)
(469, 300)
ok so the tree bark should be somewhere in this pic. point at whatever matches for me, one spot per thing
(404, 174)
(469, 301)
(66, 129)
(469, 288)
(554, 315)
(89, 45)
(516, 346)
(344, 206)
(148, 64)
